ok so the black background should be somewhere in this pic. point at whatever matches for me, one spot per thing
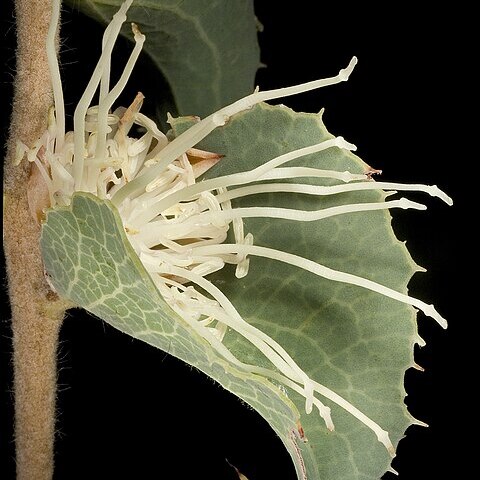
(127, 410)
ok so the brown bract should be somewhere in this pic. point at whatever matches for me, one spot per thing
(202, 161)
(37, 192)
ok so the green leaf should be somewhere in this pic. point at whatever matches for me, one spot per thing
(356, 342)
(207, 50)
(90, 261)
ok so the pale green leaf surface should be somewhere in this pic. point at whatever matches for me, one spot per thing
(206, 49)
(90, 261)
(356, 342)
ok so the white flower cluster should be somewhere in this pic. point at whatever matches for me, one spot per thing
(178, 227)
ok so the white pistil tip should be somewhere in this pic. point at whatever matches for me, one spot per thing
(405, 204)
(340, 142)
(436, 192)
(345, 72)
(384, 438)
(138, 35)
(308, 406)
(327, 417)
(431, 312)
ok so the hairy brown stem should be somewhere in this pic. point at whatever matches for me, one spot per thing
(37, 312)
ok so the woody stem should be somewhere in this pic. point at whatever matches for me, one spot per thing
(37, 313)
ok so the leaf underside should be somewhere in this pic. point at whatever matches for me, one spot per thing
(207, 50)
(356, 342)
(90, 261)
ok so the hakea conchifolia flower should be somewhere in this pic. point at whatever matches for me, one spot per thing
(178, 226)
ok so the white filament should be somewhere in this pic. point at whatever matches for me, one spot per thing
(432, 190)
(55, 74)
(321, 271)
(201, 129)
(110, 37)
(240, 178)
(107, 102)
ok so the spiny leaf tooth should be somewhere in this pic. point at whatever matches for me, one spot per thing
(392, 470)
(417, 422)
(419, 268)
(419, 341)
(416, 366)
